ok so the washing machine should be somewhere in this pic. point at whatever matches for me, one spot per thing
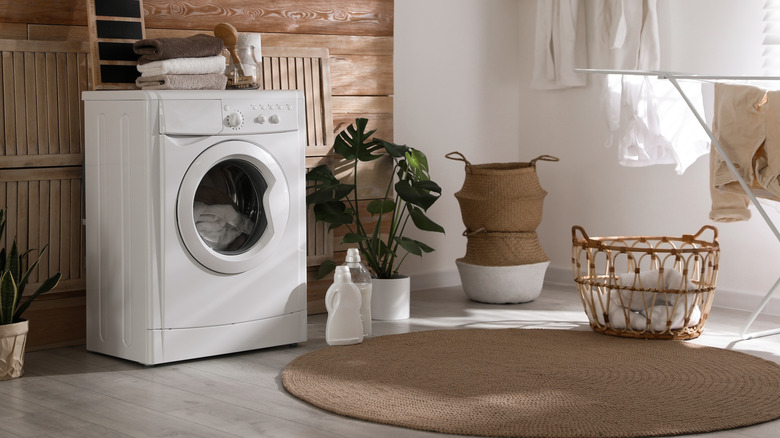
(194, 222)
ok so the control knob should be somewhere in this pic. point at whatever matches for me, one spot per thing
(274, 119)
(235, 119)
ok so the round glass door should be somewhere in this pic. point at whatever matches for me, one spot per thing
(232, 207)
(228, 207)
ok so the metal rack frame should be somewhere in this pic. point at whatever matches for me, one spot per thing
(673, 77)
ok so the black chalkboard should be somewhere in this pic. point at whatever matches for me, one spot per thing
(118, 8)
(114, 25)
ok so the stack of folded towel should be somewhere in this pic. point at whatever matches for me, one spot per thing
(192, 63)
(653, 311)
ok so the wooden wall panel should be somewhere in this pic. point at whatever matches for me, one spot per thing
(326, 17)
(72, 12)
(342, 17)
(361, 75)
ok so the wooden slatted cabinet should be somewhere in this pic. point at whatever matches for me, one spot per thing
(41, 159)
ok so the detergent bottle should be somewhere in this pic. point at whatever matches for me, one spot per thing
(362, 279)
(343, 302)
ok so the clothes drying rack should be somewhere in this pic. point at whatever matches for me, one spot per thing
(672, 78)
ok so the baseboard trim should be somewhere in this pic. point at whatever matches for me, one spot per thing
(432, 280)
(724, 298)
(564, 277)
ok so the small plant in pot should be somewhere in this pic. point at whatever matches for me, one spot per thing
(408, 196)
(14, 275)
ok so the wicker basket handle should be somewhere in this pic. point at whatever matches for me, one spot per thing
(688, 238)
(457, 156)
(467, 232)
(581, 230)
(544, 158)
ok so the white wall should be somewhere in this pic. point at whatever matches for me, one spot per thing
(462, 73)
(456, 89)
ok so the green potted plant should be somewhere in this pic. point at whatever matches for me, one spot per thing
(408, 196)
(13, 328)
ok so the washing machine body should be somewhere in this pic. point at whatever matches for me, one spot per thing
(195, 222)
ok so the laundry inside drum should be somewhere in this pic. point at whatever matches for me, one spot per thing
(228, 207)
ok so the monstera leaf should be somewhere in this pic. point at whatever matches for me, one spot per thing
(409, 193)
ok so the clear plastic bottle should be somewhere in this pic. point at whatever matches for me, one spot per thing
(343, 301)
(362, 279)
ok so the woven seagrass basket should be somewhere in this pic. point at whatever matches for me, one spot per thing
(511, 214)
(646, 287)
(490, 248)
(501, 196)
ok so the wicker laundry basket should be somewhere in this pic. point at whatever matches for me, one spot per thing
(490, 248)
(646, 287)
(501, 196)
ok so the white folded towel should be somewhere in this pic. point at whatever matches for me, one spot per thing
(675, 315)
(211, 81)
(651, 279)
(184, 66)
(618, 316)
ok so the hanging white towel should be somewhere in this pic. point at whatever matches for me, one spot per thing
(560, 45)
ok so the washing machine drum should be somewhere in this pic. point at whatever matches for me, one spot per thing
(228, 209)
(232, 208)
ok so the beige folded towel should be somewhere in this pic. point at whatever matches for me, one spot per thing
(184, 66)
(195, 46)
(214, 81)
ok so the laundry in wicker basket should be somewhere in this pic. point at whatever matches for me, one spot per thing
(653, 287)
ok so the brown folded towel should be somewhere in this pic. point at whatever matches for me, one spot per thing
(195, 46)
(214, 81)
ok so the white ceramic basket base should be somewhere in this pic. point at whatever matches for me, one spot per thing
(502, 284)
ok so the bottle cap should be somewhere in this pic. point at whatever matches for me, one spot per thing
(353, 255)
(342, 275)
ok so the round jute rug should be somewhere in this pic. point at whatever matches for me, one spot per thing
(538, 383)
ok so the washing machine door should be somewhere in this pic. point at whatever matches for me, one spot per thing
(232, 207)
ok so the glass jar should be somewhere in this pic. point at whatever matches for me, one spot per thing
(244, 73)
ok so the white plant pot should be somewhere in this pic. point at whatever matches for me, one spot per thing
(502, 284)
(390, 298)
(13, 338)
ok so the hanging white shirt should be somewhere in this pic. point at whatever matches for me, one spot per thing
(651, 124)
(559, 45)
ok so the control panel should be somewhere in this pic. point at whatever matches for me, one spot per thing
(260, 116)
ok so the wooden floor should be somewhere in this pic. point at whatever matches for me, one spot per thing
(70, 392)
